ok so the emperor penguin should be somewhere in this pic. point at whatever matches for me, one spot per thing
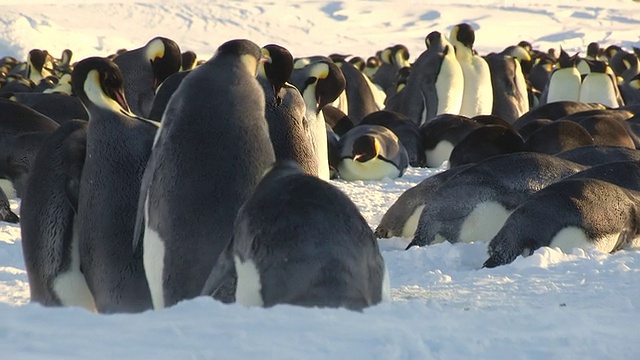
(486, 194)
(36, 68)
(442, 134)
(320, 83)
(406, 130)
(145, 68)
(48, 210)
(285, 110)
(360, 98)
(477, 98)
(371, 152)
(600, 85)
(312, 248)
(208, 157)
(189, 60)
(118, 147)
(435, 84)
(595, 213)
(510, 97)
(565, 81)
(402, 217)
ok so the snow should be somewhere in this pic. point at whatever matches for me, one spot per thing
(585, 304)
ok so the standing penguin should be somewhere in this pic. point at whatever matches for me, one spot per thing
(371, 152)
(600, 85)
(477, 98)
(312, 248)
(510, 97)
(564, 82)
(118, 146)
(145, 68)
(285, 110)
(435, 84)
(207, 159)
(48, 209)
(320, 83)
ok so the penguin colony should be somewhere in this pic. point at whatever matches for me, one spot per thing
(150, 177)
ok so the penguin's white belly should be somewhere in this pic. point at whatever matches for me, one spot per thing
(484, 222)
(439, 154)
(322, 147)
(374, 169)
(521, 86)
(574, 237)
(598, 88)
(71, 286)
(477, 98)
(249, 285)
(449, 86)
(564, 85)
(379, 95)
(386, 285)
(410, 226)
(342, 102)
(153, 260)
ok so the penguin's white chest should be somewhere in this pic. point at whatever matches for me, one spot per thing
(477, 98)
(449, 86)
(249, 285)
(71, 286)
(410, 226)
(564, 85)
(374, 169)
(598, 88)
(574, 237)
(153, 260)
(484, 222)
(439, 154)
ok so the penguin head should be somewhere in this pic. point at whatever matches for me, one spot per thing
(597, 66)
(37, 58)
(365, 148)
(434, 38)
(566, 61)
(611, 50)
(400, 56)
(248, 52)
(526, 45)
(98, 82)
(339, 58)
(373, 62)
(189, 60)
(358, 62)
(593, 50)
(385, 56)
(277, 66)
(464, 34)
(165, 57)
(635, 82)
(402, 78)
(330, 82)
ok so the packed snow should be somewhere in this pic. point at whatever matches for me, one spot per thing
(582, 305)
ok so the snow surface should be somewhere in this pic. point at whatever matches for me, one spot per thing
(583, 305)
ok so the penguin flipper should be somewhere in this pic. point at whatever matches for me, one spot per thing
(222, 271)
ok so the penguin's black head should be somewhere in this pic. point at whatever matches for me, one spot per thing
(526, 45)
(165, 57)
(358, 62)
(597, 66)
(338, 58)
(249, 53)
(465, 34)
(365, 148)
(278, 65)
(566, 61)
(373, 62)
(98, 82)
(331, 83)
(399, 54)
(188, 60)
(612, 50)
(37, 58)
(434, 37)
(593, 50)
